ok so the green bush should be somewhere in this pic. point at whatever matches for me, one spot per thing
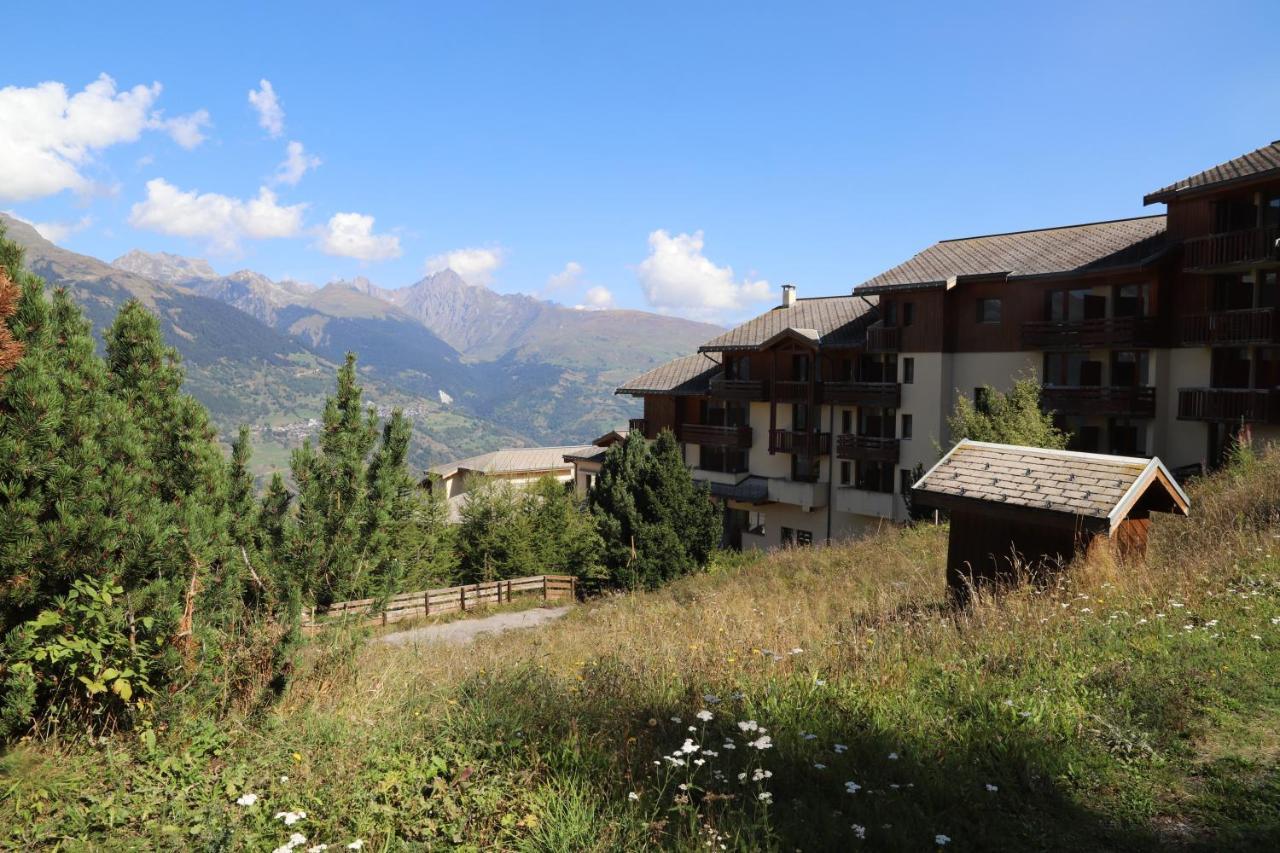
(83, 665)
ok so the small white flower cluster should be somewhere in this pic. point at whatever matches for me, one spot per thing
(247, 799)
(852, 787)
(290, 818)
(297, 839)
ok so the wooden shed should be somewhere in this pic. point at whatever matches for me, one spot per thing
(1018, 507)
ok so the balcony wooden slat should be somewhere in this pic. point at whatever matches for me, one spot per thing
(1231, 249)
(1229, 328)
(883, 338)
(1229, 405)
(751, 390)
(707, 435)
(867, 448)
(794, 391)
(884, 395)
(805, 443)
(1134, 401)
(1100, 333)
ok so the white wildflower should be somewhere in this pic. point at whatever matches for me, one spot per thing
(852, 787)
(992, 788)
(284, 779)
(809, 736)
(676, 720)
(633, 796)
(290, 818)
(711, 698)
(840, 748)
(859, 831)
(704, 715)
(748, 726)
(356, 845)
(319, 848)
(817, 765)
(941, 840)
(246, 799)
(295, 840)
(893, 756)
(688, 747)
(797, 650)
(699, 761)
(765, 797)
(762, 742)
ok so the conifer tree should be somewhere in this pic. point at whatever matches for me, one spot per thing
(429, 542)
(494, 539)
(656, 522)
(564, 537)
(10, 347)
(388, 508)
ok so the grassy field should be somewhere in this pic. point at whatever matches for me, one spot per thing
(810, 700)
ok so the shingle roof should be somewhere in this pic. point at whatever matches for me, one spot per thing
(689, 375)
(1048, 251)
(1252, 165)
(513, 460)
(1083, 484)
(829, 321)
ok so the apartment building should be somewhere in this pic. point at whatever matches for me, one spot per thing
(1154, 335)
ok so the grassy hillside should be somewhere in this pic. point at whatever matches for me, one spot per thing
(1129, 707)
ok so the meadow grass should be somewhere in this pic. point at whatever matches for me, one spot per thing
(833, 700)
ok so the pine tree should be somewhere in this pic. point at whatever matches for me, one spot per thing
(388, 508)
(494, 539)
(10, 347)
(656, 522)
(564, 537)
(429, 542)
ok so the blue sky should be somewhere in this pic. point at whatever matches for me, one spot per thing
(681, 157)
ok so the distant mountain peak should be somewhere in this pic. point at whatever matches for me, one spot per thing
(165, 267)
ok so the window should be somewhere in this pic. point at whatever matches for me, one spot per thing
(874, 477)
(805, 469)
(906, 426)
(908, 371)
(1127, 437)
(800, 417)
(989, 310)
(846, 421)
(982, 399)
(800, 368)
(755, 523)
(804, 538)
(908, 313)
(1133, 300)
(846, 473)
(723, 459)
(1129, 369)
(890, 313)
(788, 536)
(905, 481)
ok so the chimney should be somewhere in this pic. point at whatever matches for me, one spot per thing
(788, 295)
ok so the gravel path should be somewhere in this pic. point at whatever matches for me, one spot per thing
(463, 631)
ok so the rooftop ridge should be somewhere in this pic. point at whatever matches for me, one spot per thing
(1053, 228)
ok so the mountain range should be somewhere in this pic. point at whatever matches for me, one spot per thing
(474, 368)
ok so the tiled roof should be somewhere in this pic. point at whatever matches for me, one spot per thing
(829, 321)
(513, 460)
(1251, 165)
(594, 454)
(1048, 251)
(689, 375)
(1083, 484)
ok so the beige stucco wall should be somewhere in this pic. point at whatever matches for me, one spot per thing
(1179, 442)
(927, 400)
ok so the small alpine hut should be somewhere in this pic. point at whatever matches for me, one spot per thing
(1015, 506)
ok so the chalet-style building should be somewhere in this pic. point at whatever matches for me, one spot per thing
(1153, 336)
(586, 462)
(520, 466)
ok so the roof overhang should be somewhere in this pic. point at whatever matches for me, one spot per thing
(912, 287)
(1177, 193)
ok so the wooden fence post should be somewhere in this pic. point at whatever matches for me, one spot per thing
(426, 603)
(544, 588)
(462, 597)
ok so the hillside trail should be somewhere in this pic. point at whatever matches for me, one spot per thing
(465, 631)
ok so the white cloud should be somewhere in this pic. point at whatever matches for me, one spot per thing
(350, 235)
(676, 276)
(297, 162)
(567, 278)
(48, 136)
(597, 299)
(223, 220)
(56, 232)
(476, 266)
(188, 130)
(270, 113)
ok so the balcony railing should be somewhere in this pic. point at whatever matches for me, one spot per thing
(804, 443)
(1231, 249)
(884, 338)
(740, 389)
(1245, 326)
(1133, 401)
(794, 391)
(1089, 334)
(867, 448)
(884, 395)
(1229, 405)
(731, 437)
(639, 426)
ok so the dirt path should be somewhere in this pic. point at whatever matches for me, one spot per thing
(463, 631)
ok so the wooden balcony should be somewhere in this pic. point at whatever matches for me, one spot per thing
(751, 390)
(795, 391)
(1131, 401)
(1101, 333)
(1229, 328)
(867, 448)
(1229, 405)
(1231, 249)
(805, 443)
(731, 437)
(884, 395)
(884, 338)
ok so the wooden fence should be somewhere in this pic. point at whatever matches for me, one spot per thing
(452, 599)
